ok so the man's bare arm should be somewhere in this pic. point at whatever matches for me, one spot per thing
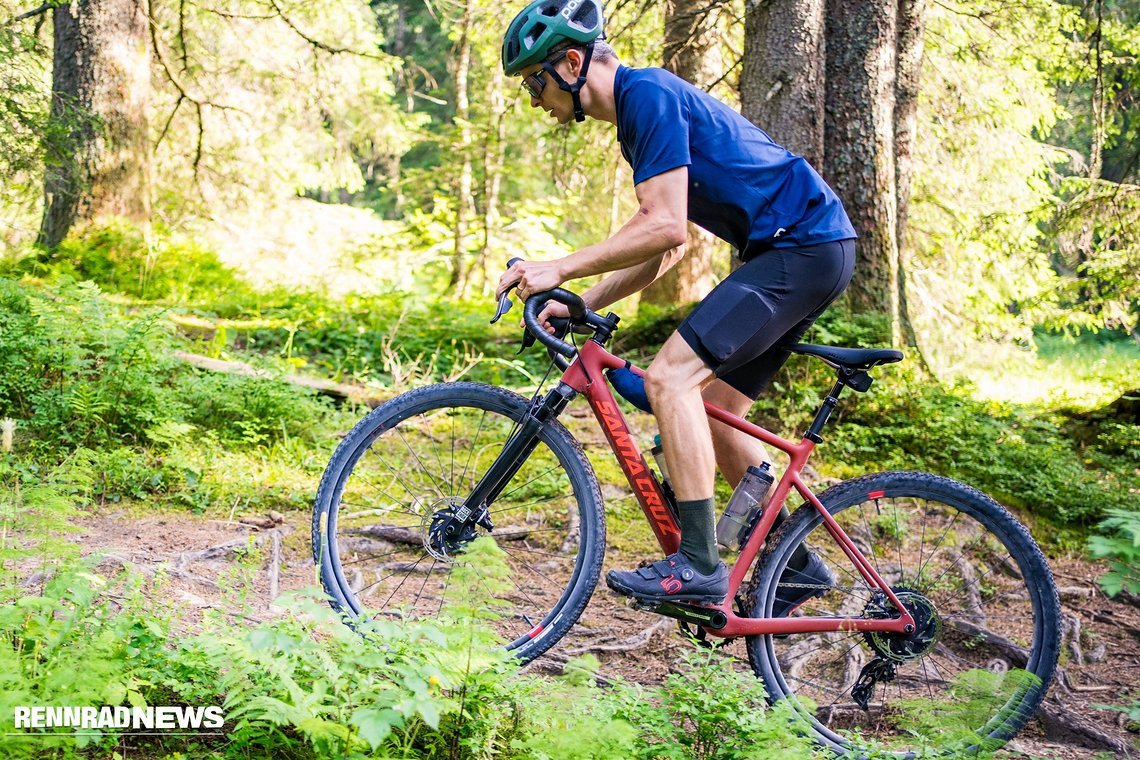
(660, 225)
(632, 279)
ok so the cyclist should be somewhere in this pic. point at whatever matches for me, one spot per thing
(693, 158)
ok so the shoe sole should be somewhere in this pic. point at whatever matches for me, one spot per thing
(660, 598)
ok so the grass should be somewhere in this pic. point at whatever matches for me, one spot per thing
(1078, 373)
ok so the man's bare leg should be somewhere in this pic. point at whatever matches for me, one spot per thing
(735, 451)
(673, 382)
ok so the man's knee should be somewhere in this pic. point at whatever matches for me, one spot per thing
(659, 379)
(676, 369)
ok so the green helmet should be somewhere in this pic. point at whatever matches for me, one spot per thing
(544, 24)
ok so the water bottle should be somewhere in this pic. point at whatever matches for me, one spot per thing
(659, 459)
(743, 505)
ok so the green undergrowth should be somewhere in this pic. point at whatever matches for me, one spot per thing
(388, 340)
(83, 378)
(307, 686)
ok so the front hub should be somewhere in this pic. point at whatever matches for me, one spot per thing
(904, 647)
(450, 526)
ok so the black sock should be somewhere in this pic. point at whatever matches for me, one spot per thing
(698, 534)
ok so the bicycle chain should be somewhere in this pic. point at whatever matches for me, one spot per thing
(848, 589)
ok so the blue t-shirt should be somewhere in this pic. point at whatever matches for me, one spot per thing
(742, 186)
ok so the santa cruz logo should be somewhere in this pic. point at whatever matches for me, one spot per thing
(571, 6)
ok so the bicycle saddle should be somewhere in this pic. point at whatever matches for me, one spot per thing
(849, 358)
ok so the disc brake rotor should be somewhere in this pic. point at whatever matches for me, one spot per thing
(445, 534)
(904, 647)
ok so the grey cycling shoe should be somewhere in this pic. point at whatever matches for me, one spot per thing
(798, 586)
(673, 579)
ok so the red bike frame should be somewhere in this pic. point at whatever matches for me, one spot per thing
(586, 376)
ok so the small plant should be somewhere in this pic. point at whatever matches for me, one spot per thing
(952, 726)
(1119, 545)
(891, 523)
(710, 711)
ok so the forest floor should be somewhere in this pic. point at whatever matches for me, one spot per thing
(198, 556)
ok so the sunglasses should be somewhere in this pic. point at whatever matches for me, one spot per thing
(535, 83)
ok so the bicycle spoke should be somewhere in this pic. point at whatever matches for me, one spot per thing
(419, 461)
(530, 504)
(524, 485)
(435, 450)
(947, 577)
(474, 447)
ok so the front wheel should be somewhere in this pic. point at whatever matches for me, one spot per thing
(384, 526)
(987, 617)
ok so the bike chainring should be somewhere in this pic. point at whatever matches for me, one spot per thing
(904, 647)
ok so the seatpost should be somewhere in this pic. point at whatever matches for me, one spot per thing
(825, 410)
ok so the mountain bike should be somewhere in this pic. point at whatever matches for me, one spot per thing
(945, 606)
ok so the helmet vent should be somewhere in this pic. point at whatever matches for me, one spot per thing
(536, 31)
(587, 16)
(550, 9)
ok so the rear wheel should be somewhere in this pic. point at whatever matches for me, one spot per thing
(986, 611)
(383, 525)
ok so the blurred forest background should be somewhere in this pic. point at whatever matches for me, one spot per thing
(331, 188)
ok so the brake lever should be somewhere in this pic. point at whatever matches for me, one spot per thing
(528, 340)
(505, 302)
(505, 305)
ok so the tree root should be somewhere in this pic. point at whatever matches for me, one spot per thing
(973, 593)
(555, 665)
(1071, 635)
(628, 644)
(1062, 724)
(1017, 656)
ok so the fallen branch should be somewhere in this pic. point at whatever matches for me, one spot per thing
(1103, 617)
(28, 14)
(1018, 656)
(392, 533)
(341, 391)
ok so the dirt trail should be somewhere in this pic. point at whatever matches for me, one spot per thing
(1101, 665)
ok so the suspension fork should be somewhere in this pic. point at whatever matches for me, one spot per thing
(516, 451)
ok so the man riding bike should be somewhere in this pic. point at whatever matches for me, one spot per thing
(693, 159)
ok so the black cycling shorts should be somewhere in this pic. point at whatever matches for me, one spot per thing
(742, 327)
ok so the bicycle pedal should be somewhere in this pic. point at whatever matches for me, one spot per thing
(706, 617)
(640, 605)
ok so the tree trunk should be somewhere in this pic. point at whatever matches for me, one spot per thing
(101, 90)
(462, 186)
(911, 14)
(689, 53)
(1099, 99)
(782, 74)
(493, 156)
(860, 137)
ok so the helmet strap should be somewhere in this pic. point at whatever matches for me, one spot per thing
(576, 88)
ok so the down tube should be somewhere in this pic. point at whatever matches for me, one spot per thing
(641, 480)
